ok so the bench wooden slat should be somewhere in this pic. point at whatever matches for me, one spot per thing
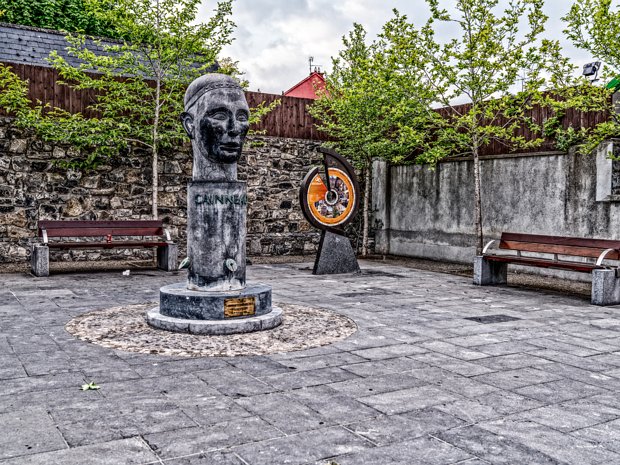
(564, 265)
(559, 249)
(100, 224)
(492, 269)
(94, 232)
(109, 234)
(561, 240)
(70, 228)
(105, 245)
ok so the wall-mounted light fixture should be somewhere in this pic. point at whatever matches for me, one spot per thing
(590, 70)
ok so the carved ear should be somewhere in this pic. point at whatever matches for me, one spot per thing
(187, 120)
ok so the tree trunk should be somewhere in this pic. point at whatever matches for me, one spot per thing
(366, 210)
(477, 200)
(155, 183)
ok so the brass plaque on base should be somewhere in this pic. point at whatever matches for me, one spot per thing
(239, 307)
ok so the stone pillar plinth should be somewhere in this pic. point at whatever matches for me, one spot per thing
(216, 232)
(605, 287)
(488, 273)
(40, 260)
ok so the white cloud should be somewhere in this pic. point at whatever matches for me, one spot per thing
(274, 38)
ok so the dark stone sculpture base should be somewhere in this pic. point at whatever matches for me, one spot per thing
(215, 327)
(177, 301)
(216, 232)
(200, 312)
(335, 255)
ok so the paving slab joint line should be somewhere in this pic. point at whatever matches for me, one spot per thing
(360, 436)
(195, 454)
(502, 415)
(159, 462)
(240, 458)
(573, 430)
(354, 422)
(148, 444)
(456, 447)
(558, 402)
(254, 377)
(57, 429)
(281, 432)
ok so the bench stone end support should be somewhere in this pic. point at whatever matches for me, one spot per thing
(168, 257)
(605, 287)
(487, 272)
(40, 260)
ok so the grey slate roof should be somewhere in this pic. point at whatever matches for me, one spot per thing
(32, 46)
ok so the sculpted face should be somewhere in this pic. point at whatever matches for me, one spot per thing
(218, 122)
(223, 125)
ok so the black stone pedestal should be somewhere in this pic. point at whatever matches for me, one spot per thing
(215, 327)
(177, 301)
(216, 313)
(216, 231)
(216, 299)
(335, 256)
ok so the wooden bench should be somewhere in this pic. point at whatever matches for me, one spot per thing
(151, 233)
(565, 253)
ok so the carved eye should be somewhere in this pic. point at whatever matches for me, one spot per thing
(220, 116)
(242, 117)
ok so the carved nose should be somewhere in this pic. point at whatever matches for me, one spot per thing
(234, 128)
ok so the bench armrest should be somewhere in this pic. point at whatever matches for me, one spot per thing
(44, 235)
(601, 257)
(167, 234)
(486, 247)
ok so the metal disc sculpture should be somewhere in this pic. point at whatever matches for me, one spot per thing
(329, 198)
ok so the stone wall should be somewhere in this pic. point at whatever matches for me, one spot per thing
(427, 213)
(33, 187)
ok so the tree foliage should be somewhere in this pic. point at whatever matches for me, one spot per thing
(383, 98)
(368, 103)
(368, 99)
(139, 82)
(13, 92)
(64, 15)
(492, 49)
(593, 25)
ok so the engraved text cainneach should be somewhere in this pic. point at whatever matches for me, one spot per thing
(224, 199)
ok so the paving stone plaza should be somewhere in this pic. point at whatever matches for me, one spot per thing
(438, 372)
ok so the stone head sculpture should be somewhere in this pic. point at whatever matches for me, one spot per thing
(216, 118)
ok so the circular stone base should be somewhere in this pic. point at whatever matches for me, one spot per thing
(125, 328)
(177, 301)
(215, 327)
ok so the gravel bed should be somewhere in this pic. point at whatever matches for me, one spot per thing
(125, 328)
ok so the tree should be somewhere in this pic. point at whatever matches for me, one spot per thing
(491, 50)
(364, 106)
(139, 82)
(593, 26)
(65, 15)
(13, 92)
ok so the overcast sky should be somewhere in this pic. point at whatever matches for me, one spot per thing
(274, 38)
